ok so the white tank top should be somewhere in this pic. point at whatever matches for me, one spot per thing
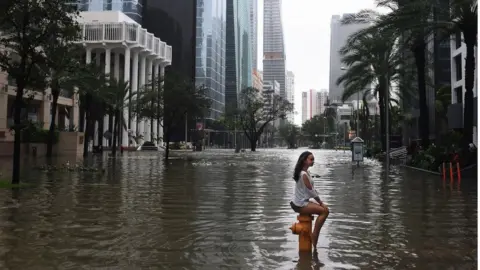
(302, 194)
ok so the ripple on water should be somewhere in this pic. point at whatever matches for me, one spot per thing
(215, 209)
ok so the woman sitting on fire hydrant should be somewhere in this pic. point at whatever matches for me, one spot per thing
(304, 191)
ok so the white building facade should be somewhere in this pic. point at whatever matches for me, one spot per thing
(455, 111)
(339, 34)
(130, 53)
(290, 93)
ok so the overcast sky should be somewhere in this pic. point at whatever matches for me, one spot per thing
(306, 26)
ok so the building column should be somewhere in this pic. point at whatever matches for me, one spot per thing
(141, 84)
(126, 78)
(134, 89)
(149, 80)
(45, 110)
(74, 111)
(155, 122)
(161, 74)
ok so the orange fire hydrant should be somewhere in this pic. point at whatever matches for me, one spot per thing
(304, 230)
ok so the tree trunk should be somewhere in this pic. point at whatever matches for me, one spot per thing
(100, 133)
(115, 133)
(381, 105)
(419, 54)
(87, 126)
(470, 39)
(152, 130)
(110, 127)
(51, 131)
(167, 146)
(17, 128)
(253, 142)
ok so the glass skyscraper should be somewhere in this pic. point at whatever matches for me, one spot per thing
(238, 50)
(131, 8)
(210, 52)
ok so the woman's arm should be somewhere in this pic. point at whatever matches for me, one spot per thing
(311, 192)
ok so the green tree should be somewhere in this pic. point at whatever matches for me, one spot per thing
(316, 129)
(26, 27)
(290, 133)
(149, 106)
(371, 59)
(180, 97)
(254, 116)
(90, 84)
(62, 71)
(117, 96)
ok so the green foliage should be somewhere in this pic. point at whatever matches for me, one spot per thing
(253, 115)
(315, 129)
(290, 133)
(34, 133)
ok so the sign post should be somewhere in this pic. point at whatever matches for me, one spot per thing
(357, 150)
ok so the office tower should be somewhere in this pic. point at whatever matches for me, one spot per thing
(273, 44)
(131, 8)
(175, 22)
(304, 107)
(290, 93)
(254, 31)
(210, 52)
(238, 51)
(339, 34)
(322, 97)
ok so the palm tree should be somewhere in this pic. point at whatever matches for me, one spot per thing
(117, 97)
(62, 70)
(90, 82)
(372, 59)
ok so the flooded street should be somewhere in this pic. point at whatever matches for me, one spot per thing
(220, 210)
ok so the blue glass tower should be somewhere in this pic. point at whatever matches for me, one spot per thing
(210, 52)
(132, 8)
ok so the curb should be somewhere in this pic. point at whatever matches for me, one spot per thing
(421, 170)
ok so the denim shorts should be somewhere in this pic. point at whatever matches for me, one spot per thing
(294, 207)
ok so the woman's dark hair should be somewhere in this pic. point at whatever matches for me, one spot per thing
(299, 166)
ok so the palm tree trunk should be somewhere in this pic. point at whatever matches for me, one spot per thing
(152, 130)
(470, 39)
(51, 131)
(419, 54)
(381, 105)
(86, 141)
(17, 117)
(115, 132)
(100, 133)
(167, 146)
(110, 127)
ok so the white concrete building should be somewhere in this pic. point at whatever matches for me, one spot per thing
(339, 34)
(455, 111)
(290, 93)
(124, 48)
(313, 103)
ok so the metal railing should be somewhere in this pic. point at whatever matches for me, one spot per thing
(125, 32)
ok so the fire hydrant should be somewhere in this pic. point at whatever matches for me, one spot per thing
(304, 230)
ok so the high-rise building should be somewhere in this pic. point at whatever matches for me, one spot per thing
(131, 8)
(322, 97)
(304, 106)
(254, 31)
(273, 44)
(313, 103)
(175, 22)
(238, 53)
(290, 93)
(339, 34)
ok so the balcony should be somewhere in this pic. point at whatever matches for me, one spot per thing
(125, 33)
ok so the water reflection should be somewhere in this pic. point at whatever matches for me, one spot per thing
(220, 210)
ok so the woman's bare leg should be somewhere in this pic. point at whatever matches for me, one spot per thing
(322, 212)
(318, 226)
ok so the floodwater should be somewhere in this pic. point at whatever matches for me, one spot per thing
(220, 210)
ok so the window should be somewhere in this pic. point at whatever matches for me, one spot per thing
(459, 94)
(458, 66)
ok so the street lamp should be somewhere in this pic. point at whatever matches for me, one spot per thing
(358, 107)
